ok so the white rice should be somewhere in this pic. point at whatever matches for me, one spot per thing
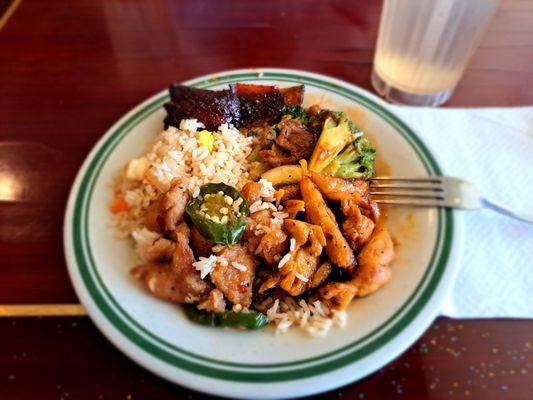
(301, 277)
(191, 125)
(205, 265)
(267, 190)
(176, 154)
(284, 260)
(292, 245)
(280, 215)
(315, 319)
(254, 207)
(239, 266)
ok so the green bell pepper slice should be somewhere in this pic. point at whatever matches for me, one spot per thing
(240, 320)
(214, 215)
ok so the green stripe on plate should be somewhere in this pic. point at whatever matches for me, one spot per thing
(199, 364)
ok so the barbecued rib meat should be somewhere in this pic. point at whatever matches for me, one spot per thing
(241, 105)
(263, 103)
(210, 107)
(293, 95)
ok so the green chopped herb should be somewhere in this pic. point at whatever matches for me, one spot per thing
(296, 111)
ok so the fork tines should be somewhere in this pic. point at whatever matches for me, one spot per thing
(410, 191)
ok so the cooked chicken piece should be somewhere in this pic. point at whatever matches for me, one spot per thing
(166, 212)
(257, 218)
(349, 207)
(293, 207)
(297, 272)
(357, 232)
(252, 192)
(178, 282)
(261, 217)
(290, 191)
(161, 281)
(337, 295)
(373, 210)
(272, 244)
(352, 206)
(321, 274)
(236, 284)
(374, 259)
(304, 232)
(152, 219)
(269, 280)
(182, 234)
(335, 188)
(357, 228)
(298, 230)
(201, 246)
(252, 243)
(318, 213)
(350, 192)
(161, 250)
(214, 302)
(303, 261)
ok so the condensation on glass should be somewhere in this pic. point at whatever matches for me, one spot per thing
(424, 46)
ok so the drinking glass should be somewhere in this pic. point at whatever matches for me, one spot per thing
(424, 46)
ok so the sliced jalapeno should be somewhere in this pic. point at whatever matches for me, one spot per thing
(219, 212)
(241, 320)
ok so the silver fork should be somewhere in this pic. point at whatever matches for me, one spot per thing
(436, 191)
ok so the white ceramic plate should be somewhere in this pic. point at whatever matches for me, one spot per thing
(258, 364)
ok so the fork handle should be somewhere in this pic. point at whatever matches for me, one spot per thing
(526, 217)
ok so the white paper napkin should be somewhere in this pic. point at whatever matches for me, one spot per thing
(492, 148)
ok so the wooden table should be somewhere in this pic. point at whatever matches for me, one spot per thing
(68, 70)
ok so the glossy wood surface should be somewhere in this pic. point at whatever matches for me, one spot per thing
(68, 70)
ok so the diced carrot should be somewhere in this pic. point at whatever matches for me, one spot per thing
(119, 204)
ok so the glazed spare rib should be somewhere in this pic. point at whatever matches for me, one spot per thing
(240, 105)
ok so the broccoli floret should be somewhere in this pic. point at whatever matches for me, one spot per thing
(341, 118)
(342, 150)
(356, 160)
(296, 111)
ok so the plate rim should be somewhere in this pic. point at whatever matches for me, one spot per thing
(96, 314)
